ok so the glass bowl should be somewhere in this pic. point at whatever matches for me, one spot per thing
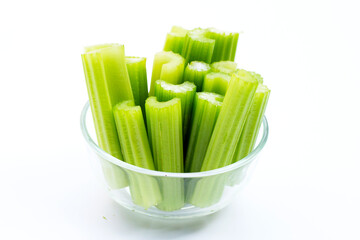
(178, 195)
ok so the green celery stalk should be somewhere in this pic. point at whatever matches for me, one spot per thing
(175, 39)
(258, 77)
(230, 122)
(198, 47)
(136, 67)
(205, 112)
(225, 44)
(167, 66)
(216, 82)
(107, 83)
(165, 135)
(227, 67)
(186, 91)
(206, 191)
(253, 122)
(136, 151)
(195, 72)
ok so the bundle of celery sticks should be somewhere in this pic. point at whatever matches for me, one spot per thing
(201, 113)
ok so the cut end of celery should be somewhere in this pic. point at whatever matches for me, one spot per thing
(92, 48)
(227, 67)
(199, 66)
(168, 66)
(257, 76)
(245, 75)
(216, 82)
(214, 98)
(184, 87)
(154, 102)
(131, 59)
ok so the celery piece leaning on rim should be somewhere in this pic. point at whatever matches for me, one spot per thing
(205, 112)
(231, 120)
(216, 82)
(195, 72)
(136, 151)
(186, 91)
(107, 83)
(167, 66)
(175, 39)
(136, 67)
(165, 134)
(253, 122)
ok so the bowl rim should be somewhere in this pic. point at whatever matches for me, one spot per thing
(93, 146)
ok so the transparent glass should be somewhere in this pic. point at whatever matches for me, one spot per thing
(165, 194)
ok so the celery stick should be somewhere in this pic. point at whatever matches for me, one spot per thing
(175, 39)
(165, 134)
(227, 67)
(257, 76)
(216, 82)
(253, 122)
(206, 110)
(186, 91)
(107, 84)
(230, 122)
(136, 151)
(195, 72)
(197, 47)
(136, 67)
(225, 44)
(168, 66)
(206, 191)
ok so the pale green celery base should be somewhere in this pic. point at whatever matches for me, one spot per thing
(238, 176)
(172, 194)
(144, 190)
(114, 176)
(206, 191)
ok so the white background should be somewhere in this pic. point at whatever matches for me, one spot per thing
(305, 186)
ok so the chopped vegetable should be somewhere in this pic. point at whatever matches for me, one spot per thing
(136, 151)
(225, 44)
(216, 82)
(195, 72)
(206, 110)
(108, 83)
(197, 47)
(186, 91)
(168, 66)
(165, 134)
(175, 39)
(230, 122)
(227, 67)
(136, 67)
(253, 122)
